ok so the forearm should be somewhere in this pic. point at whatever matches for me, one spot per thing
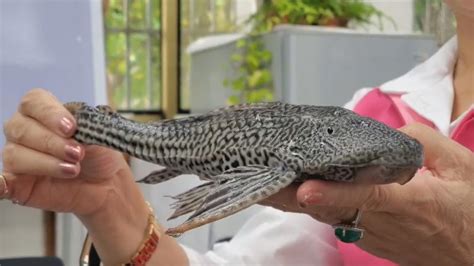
(118, 229)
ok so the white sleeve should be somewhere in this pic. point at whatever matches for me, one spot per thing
(273, 237)
(358, 95)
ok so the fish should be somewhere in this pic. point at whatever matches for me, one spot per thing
(246, 153)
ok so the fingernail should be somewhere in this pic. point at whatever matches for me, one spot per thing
(66, 125)
(312, 198)
(68, 169)
(73, 153)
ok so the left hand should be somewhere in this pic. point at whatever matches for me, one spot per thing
(428, 221)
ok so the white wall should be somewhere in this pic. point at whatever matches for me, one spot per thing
(21, 231)
(56, 45)
(401, 11)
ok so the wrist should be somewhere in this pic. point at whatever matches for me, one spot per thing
(117, 227)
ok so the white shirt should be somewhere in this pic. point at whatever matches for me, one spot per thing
(273, 237)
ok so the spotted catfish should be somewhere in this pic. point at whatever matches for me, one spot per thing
(246, 153)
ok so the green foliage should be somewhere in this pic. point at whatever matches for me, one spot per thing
(420, 11)
(200, 18)
(254, 82)
(143, 82)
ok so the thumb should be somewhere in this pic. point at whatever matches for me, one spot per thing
(440, 152)
(364, 197)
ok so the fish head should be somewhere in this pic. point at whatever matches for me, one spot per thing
(346, 146)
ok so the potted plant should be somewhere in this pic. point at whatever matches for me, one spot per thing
(253, 82)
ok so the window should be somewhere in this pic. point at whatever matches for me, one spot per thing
(133, 54)
(200, 18)
(146, 40)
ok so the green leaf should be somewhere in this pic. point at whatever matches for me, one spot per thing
(241, 43)
(236, 58)
(232, 100)
(266, 94)
(252, 60)
(266, 55)
(266, 76)
(310, 19)
(238, 84)
(253, 97)
(255, 78)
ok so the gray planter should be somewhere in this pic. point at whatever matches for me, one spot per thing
(311, 65)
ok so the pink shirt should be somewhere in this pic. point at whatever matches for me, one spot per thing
(389, 109)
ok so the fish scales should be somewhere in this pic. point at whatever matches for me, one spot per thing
(249, 152)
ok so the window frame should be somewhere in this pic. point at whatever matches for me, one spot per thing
(168, 59)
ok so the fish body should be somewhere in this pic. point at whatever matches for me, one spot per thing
(249, 152)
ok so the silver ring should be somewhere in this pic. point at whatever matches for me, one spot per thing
(350, 232)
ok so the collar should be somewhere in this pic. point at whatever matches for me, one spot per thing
(428, 88)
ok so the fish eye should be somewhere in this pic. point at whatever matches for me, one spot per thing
(330, 130)
(294, 149)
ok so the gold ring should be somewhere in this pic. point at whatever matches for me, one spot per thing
(3, 187)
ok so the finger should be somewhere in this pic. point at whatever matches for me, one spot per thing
(284, 200)
(47, 110)
(19, 193)
(18, 159)
(37, 192)
(27, 132)
(440, 152)
(340, 195)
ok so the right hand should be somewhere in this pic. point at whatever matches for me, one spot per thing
(45, 168)
(433, 212)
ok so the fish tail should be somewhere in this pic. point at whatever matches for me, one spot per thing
(102, 126)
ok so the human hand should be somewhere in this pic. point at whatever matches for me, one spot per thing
(45, 168)
(433, 213)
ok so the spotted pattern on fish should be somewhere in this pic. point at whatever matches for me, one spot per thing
(249, 152)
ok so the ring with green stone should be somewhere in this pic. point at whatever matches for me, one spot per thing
(349, 233)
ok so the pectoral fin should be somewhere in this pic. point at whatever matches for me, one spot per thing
(233, 191)
(161, 175)
(190, 200)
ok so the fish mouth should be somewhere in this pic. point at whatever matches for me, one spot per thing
(381, 171)
(380, 174)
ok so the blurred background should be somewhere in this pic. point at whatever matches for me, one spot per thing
(153, 59)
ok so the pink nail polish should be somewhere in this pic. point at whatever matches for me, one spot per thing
(68, 169)
(312, 198)
(73, 153)
(66, 125)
